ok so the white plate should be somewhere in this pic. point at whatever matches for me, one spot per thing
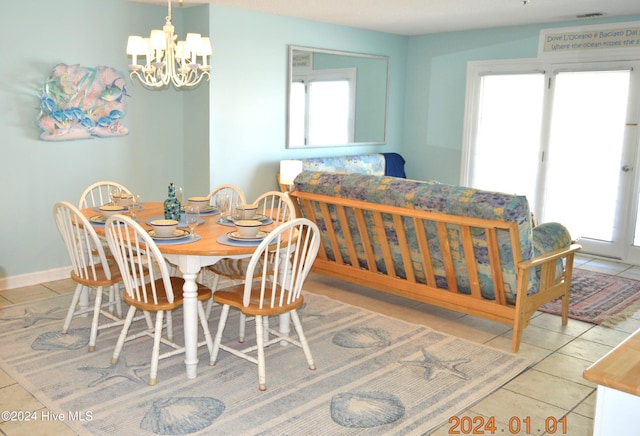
(259, 217)
(98, 219)
(205, 209)
(177, 234)
(236, 236)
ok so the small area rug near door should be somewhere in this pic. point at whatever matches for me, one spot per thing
(374, 375)
(599, 298)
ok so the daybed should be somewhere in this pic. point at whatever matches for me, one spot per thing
(463, 249)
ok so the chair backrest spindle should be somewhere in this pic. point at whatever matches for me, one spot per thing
(99, 193)
(276, 205)
(286, 256)
(225, 197)
(139, 259)
(85, 250)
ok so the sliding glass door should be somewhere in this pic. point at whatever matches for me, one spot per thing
(586, 186)
(566, 137)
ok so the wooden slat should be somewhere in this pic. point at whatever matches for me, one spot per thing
(447, 260)
(335, 245)
(405, 250)
(547, 274)
(366, 241)
(470, 261)
(348, 237)
(425, 253)
(378, 228)
(304, 208)
(495, 266)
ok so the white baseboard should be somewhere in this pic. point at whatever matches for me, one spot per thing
(34, 278)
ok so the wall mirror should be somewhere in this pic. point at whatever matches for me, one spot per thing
(336, 98)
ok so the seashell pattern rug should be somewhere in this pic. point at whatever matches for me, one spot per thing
(375, 375)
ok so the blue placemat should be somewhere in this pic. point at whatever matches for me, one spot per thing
(205, 213)
(185, 240)
(210, 213)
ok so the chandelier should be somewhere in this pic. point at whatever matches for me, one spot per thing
(166, 60)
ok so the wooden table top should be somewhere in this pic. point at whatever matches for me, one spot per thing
(620, 368)
(209, 231)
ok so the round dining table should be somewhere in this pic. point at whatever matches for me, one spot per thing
(190, 256)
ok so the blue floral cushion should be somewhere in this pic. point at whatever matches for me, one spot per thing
(360, 163)
(435, 197)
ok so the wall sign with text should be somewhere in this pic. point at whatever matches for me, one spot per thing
(618, 38)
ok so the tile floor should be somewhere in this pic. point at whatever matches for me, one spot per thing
(550, 390)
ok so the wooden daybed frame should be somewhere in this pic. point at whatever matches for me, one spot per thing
(498, 309)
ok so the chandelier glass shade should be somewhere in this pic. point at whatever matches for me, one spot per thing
(163, 59)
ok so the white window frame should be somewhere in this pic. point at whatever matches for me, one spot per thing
(329, 75)
(475, 70)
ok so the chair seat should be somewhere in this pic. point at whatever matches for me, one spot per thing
(233, 297)
(204, 294)
(101, 276)
(234, 269)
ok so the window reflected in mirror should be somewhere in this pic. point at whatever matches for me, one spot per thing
(336, 98)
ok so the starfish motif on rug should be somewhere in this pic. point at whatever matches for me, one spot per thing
(119, 369)
(433, 366)
(32, 316)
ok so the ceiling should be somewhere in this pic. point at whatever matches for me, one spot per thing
(419, 17)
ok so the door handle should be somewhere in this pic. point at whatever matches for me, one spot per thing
(626, 168)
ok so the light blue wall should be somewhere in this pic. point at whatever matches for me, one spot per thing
(196, 116)
(435, 98)
(34, 174)
(230, 131)
(248, 91)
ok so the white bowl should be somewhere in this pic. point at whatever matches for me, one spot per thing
(199, 202)
(245, 211)
(110, 209)
(164, 227)
(123, 199)
(248, 228)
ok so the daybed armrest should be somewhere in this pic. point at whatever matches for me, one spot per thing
(549, 237)
(548, 257)
(543, 268)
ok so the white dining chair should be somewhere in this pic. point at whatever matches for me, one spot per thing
(274, 205)
(224, 197)
(278, 291)
(99, 193)
(149, 288)
(90, 270)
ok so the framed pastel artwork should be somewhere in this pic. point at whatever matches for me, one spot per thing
(82, 103)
